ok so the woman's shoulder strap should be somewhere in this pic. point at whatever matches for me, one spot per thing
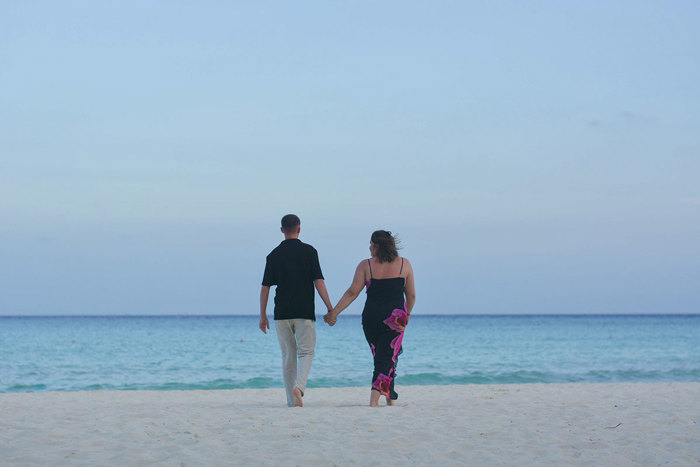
(370, 268)
(401, 267)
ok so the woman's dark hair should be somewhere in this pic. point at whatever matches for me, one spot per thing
(387, 251)
(290, 222)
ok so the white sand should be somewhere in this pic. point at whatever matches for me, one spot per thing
(545, 424)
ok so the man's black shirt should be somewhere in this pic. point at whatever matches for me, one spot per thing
(293, 267)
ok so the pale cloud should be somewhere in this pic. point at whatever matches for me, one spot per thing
(633, 118)
(625, 117)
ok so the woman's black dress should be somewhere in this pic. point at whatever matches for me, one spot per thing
(384, 320)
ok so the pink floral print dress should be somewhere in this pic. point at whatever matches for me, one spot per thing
(384, 320)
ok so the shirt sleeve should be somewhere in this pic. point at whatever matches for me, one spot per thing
(315, 266)
(269, 275)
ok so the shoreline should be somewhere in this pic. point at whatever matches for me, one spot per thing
(333, 388)
(512, 424)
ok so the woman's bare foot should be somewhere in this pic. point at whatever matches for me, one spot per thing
(374, 398)
(297, 398)
(389, 401)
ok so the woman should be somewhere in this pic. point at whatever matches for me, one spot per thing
(388, 277)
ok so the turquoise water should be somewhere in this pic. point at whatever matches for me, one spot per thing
(207, 352)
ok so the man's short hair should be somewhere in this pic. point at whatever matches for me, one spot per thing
(290, 222)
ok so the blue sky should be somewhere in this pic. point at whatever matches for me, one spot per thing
(534, 158)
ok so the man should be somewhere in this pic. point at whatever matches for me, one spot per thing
(293, 267)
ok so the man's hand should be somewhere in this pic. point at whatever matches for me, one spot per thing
(264, 324)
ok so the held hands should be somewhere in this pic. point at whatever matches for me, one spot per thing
(330, 318)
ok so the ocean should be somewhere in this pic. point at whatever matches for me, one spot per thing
(226, 352)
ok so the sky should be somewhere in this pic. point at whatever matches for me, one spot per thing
(533, 157)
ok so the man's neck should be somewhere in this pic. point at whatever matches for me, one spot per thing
(291, 237)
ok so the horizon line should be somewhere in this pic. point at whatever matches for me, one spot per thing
(181, 315)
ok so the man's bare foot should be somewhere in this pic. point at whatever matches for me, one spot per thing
(297, 398)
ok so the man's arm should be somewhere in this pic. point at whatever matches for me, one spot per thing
(264, 295)
(323, 293)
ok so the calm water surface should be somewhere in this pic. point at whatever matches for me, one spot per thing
(224, 352)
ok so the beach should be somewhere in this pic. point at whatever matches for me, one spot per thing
(512, 424)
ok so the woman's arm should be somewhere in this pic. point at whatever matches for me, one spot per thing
(358, 282)
(410, 289)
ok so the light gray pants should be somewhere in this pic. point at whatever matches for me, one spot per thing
(297, 339)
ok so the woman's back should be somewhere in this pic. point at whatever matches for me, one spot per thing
(386, 270)
(385, 288)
